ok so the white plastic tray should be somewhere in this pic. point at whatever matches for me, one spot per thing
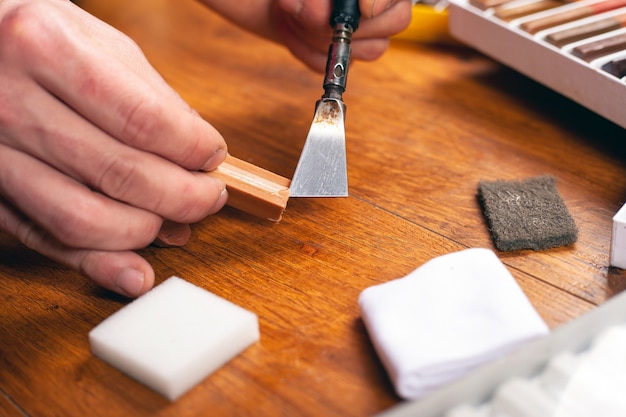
(584, 82)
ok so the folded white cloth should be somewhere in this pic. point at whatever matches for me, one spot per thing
(453, 313)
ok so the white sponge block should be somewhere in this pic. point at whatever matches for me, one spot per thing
(174, 336)
(618, 241)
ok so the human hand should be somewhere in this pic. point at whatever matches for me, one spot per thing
(96, 150)
(303, 25)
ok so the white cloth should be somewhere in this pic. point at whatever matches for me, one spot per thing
(453, 313)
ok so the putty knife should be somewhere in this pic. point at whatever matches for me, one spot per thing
(322, 170)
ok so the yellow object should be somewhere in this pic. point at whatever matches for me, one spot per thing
(428, 24)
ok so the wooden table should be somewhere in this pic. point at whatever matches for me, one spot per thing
(424, 125)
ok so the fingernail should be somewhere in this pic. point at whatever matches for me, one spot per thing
(172, 234)
(215, 160)
(130, 281)
(221, 201)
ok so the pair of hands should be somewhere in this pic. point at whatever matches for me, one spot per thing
(98, 153)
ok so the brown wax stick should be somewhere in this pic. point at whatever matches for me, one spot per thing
(252, 189)
(534, 26)
(508, 12)
(577, 33)
(592, 50)
(570, 15)
(486, 4)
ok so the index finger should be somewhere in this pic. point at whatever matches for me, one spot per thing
(110, 83)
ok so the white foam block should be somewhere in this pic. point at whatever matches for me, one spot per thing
(618, 241)
(174, 336)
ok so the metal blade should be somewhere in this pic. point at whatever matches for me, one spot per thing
(322, 170)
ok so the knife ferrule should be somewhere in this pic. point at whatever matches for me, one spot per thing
(338, 61)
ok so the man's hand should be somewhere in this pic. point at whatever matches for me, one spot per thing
(96, 150)
(303, 25)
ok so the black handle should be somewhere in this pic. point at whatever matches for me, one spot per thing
(345, 11)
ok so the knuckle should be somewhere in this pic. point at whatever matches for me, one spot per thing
(184, 196)
(9, 115)
(18, 225)
(128, 46)
(141, 118)
(122, 179)
(26, 233)
(119, 178)
(23, 28)
(148, 126)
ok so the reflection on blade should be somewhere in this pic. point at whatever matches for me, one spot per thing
(322, 170)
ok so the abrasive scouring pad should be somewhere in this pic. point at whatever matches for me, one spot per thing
(527, 214)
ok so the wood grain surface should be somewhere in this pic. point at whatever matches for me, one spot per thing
(424, 125)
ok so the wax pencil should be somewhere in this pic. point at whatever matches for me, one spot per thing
(584, 31)
(570, 15)
(596, 49)
(509, 12)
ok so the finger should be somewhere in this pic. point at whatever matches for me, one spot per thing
(312, 15)
(372, 8)
(104, 87)
(309, 20)
(312, 56)
(370, 41)
(390, 21)
(48, 130)
(123, 272)
(172, 235)
(73, 214)
(308, 49)
(369, 49)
